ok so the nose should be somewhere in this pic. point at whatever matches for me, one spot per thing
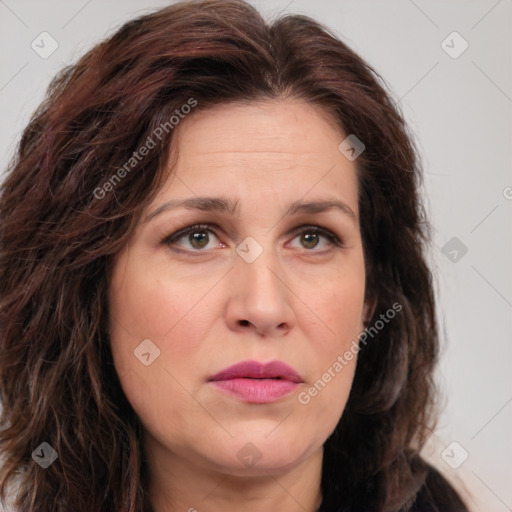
(259, 298)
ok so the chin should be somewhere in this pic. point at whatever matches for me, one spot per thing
(257, 455)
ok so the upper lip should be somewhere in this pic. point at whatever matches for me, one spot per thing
(256, 370)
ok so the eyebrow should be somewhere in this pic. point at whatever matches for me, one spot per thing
(225, 205)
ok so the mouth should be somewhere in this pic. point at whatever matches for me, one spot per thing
(256, 382)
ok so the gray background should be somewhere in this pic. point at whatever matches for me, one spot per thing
(459, 109)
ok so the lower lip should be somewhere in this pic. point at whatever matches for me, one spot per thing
(257, 391)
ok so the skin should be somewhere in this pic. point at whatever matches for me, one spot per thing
(207, 308)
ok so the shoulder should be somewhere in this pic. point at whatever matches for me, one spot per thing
(437, 495)
(434, 494)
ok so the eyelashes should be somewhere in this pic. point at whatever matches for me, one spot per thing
(197, 237)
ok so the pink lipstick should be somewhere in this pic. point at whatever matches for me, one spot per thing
(257, 383)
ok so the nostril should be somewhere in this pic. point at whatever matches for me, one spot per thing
(244, 323)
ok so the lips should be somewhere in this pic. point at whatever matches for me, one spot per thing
(256, 370)
(257, 383)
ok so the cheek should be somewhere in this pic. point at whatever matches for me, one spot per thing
(146, 302)
(338, 304)
(147, 305)
(325, 397)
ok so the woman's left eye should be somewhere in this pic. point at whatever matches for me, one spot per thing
(310, 237)
(197, 238)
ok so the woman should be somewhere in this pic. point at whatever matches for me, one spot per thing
(213, 284)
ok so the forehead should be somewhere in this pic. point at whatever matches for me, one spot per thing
(264, 126)
(271, 149)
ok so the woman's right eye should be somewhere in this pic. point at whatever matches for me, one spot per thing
(192, 238)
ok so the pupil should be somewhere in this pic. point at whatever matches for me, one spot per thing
(310, 240)
(199, 239)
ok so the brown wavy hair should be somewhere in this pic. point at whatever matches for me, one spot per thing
(58, 241)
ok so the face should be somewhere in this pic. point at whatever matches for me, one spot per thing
(270, 268)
